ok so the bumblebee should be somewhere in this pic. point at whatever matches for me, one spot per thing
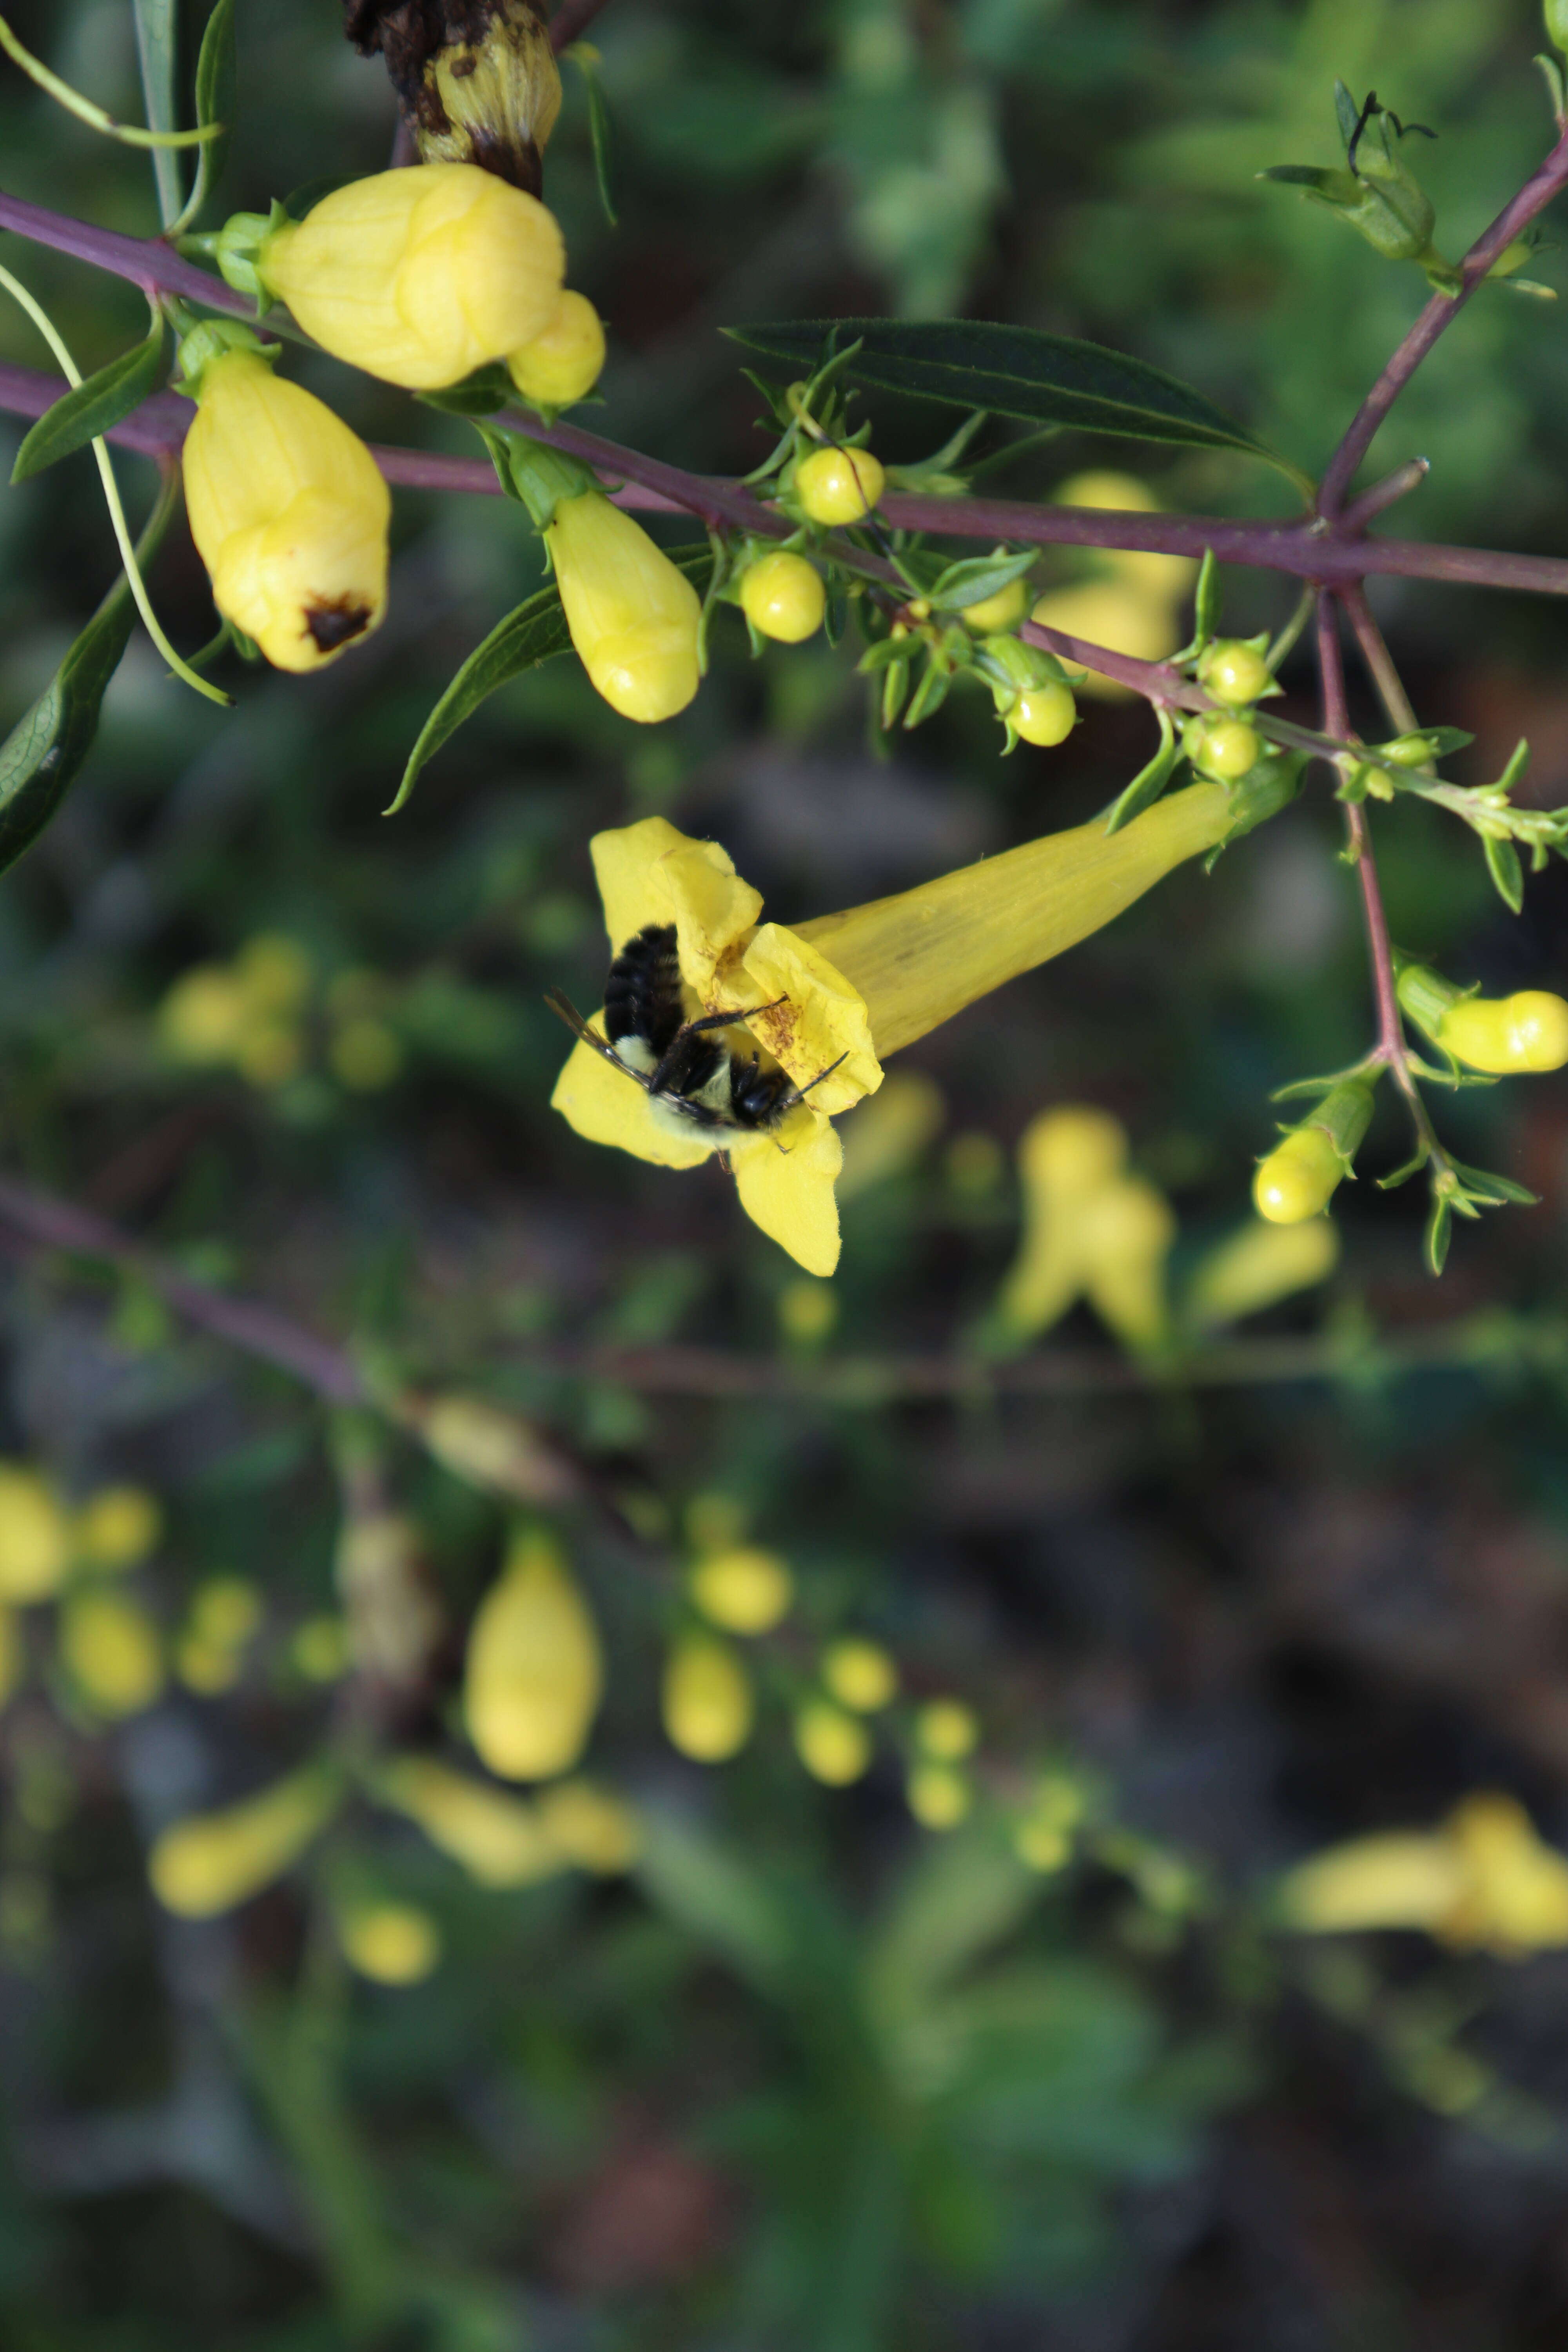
(691, 1078)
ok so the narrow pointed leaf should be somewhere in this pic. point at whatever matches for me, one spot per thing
(40, 757)
(975, 577)
(1486, 1184)
(1507, 875)
(216, 89)
(534, 633)
(1206, 600)
(586, 59)
(1018, 372)
(158, 53)
(1439, 1231)
(93, 407)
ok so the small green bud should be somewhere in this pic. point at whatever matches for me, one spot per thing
(1556, 14)
(1220, 747)
(1298, 1178)
(1235, 673)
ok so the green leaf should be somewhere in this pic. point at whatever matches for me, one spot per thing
(1493, 1191)
(585, 57)
(535, 631)
(958, 1900)
(158, 51)
(1018, 372)
(93, 407)
(1507, 875)
(217, 92)
(974, 577)
(40, 757)
(479, 394)
(1439, 1233)
(711, 1891)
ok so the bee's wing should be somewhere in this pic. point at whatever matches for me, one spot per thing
(564, 1010)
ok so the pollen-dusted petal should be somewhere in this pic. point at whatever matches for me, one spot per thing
(712, 911)
(785, 1182)
(605, 1105)
(821, 1019)
(624, 859)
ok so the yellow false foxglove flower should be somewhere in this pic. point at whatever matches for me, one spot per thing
(1257, 1266)
(499, 1839)
(112, 1651)
(1482, 1880)
(1091, 1230)
(287, 507)
(706, 1701)
(212, 1862)
(846, 990)
(534, 1673)
(633, 616)
(34, 1536)
(1506, 1036)
(859, 1674)
(390, 1943)
(419, 276)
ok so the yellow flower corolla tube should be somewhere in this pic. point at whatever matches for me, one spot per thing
(1260, 1264)
(1125, 1236)
(828, 997)
(534, 1674)
(117, 1527)
(591, 1827)
(743, 1590)
(390, 1943)
(499, 1840)
(13, 1655)
(110, 1649)
(419, 275)
(1483, 1880)
(859, 1674)
(835, 1747)
(212, 1862)
(34, 1536)
(1090, 1229)
(633, 616)
(289, 513)
(562, 364)
(706, 1701)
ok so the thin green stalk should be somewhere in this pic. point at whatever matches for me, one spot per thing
(86, 111)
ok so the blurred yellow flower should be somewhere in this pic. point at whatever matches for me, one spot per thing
(534, 1674)
(499, 1839)
(391, 1943)
(117, 1527)
(34, 1536)
(1483, 1880)
(707, 1701)
(589, 1826)
(212, 1862)
(744, 1590)
(112, 1650)
(835, 1747)
(1091, 1230)
(947, 1729)
(1131, 602)
(938, 1797)
(859, 1674)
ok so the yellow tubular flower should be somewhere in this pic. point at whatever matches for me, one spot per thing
(563, 364)
(534, 1673)
(214, 1861)
(1126, 1237)
(854, 986)
(707, 1700)
(419, 275)
(288, 513)
(1483, 1880)
(1510, 1035)
(947, 1729)
(1260, 1264)
(499, 1840)
(1298, 1178)
(633, 616)
(938, 1797)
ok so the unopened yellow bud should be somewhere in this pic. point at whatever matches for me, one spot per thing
(422, 276)
(993, 614)
(633, 616)
(34, 1536)
(212, 1862)
(1507, 1035)
(835, 1747)
(783, 597)
(591, 1826)
(1222, 748)
(117, 1526)
(1235, 673)
(1041, 1845)
(534, 1673)
(1298, 1178)
(391, 1943)
(274, 971)
(860, 1675)
(203, 1015)
(1259, 1266)
(707, 1700)
(947, 1729)
(288, 513)
(744, 1591)
(110, 1649)
(1046, 714)
(226, 1610)
(839, 485)
(563, 364)
(206, 1667)
(808, 1309)
(938, 1797)
(489, 1447)
(499, 1839)
(320, 1649)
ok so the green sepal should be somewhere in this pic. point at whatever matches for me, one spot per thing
(540, 478)
(1556, 90)
(1490, 1190)
(479, 394)
(1147, 786)
(216, 90)
(933, 477)
(929, 695)
(94, 406)
(209, 341)
(1205, 611)
(886, 651)
(1426, 997)
(1006, 662)
(895, 686)
(238, 247)
(974, 578)
(1439, 1233)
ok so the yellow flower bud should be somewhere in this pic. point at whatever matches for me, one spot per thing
(938, 1797)
(835, 1747)
(534, 1674)
(707, 1701)
(1298, 1178)
(562, 364)
(589, 1826)
(499, 1839)
(783, 597)
(633, 616)
(947, 1729)
(1225, 747)
(744, 1591)
(420, 276)
(1509, 1034)
(203, 1015)
(212, 1862)
(860, 1675)
(1235, 672)
(34, 1536)
(274, 971)
(995, 613)
(839, 485)
(807, 1311)
(117, 1526)
(1258, 1265)
(1046, 714)
(13, 1655)
(320, 1649)
(225, 1610)
(206, 1667)
(1041, 1845)
(391, 1943)
(110, 1649)
(488, 1448)
(288, 513)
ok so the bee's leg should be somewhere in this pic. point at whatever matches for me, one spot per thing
(732, 1020)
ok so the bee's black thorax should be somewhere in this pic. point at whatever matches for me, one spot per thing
(685, 1067)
